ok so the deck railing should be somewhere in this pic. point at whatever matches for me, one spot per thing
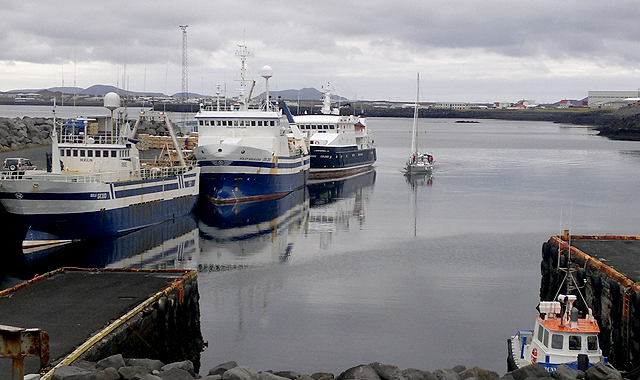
(150, 172)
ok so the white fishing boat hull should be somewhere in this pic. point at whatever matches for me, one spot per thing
(81, 206)
(240, 173)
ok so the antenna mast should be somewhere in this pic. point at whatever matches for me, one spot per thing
(243, 53)
(185, 84)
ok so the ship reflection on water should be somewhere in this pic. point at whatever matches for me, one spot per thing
(255, 234)
(338, 203)
(224, 237)
(173, 244)
(251, 234)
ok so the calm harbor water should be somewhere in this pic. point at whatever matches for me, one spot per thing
(425, 274)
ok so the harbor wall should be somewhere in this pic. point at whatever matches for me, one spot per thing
(613, 297)
(166, 327)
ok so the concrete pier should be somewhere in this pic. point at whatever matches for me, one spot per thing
(606, 269)
(90, 314)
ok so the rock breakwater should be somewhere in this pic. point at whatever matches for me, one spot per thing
(116, 368)
(25, 132)
(28, 132)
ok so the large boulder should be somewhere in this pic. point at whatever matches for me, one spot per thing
(532, 370)
(240, 373)
(69, 372)
(386, 371)
(361, 372)
(287, 374)
(447, 374)
(417, 374)
(176, 374)
(107, 374)
(133, 373)
(222, 368)
(564, 372)
(601, 371)
(322, 376)
(151, 364)
(271, 376)
(115, 361)
(479, 373)
(186, 365)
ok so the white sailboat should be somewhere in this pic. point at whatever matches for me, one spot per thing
(418, 162)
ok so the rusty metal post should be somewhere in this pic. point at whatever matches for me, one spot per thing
(17, 343)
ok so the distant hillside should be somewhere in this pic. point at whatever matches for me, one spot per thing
(309, 93)
(95, 90)
(191, 95)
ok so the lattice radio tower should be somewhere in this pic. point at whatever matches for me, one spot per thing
(185, 74)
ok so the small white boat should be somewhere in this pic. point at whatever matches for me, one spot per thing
(559, 336)
(418, 162)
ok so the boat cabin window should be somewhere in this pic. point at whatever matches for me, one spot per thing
(224, 123)
(332, 127)
(82, 152)
(540, 332)
(235, 123)
(575, 342)
(75, 153)
(592, 343)
(97, 153)
(546, 338)
(556, 341)
(89, 153)
(68, 152)
(114, 154)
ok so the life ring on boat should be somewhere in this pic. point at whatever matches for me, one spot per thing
(534, 355)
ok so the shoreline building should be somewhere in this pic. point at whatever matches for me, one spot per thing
(612, 99)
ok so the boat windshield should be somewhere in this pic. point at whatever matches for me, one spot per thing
(592, 343)
(575, 342)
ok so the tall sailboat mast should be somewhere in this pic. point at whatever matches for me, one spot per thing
(414, 138)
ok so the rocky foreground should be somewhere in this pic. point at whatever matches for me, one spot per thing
(118, 368)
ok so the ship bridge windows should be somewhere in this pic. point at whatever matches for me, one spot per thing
(82, 152)
(592, 343)
(89, 153)
(557, 341)
(114, 154)
(575, 342)
(75, 152)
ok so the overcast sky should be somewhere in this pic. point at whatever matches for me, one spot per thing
(470, 51)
